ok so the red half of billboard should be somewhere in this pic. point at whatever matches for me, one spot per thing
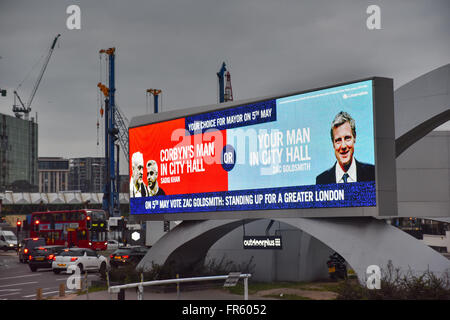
(181, 163)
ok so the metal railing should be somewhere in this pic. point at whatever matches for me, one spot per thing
(140, 285)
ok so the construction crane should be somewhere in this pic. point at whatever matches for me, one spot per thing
(225, 89)
(155, 93)
(220, 75)
(111, 202)
(121, 122)
(228, 96)
(26, 108)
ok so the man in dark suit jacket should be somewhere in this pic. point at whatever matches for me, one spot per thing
(347, 168)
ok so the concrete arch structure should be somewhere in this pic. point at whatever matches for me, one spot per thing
(421, 106)
(187, 243)
(423, 155)
(422, 99)
(361, 241)
(412, 136)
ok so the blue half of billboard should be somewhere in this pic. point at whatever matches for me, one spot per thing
(309, 150)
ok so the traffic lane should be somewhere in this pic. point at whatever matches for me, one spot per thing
(14, 276)
(50, 283)
(10, 265)
(18, 282)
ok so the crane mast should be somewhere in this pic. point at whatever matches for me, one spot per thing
(155, 93)
(220, 75)
(228, 96)
(122, 124)
(111, 202)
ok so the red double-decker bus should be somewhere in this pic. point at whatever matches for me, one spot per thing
(85, 228)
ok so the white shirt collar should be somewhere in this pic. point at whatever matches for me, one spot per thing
(351, 172)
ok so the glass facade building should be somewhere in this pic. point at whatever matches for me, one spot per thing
(18, 154)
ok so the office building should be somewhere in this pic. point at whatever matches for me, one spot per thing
(53, 174)
(18, 154)
(87, 174)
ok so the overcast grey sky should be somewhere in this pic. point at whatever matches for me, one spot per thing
(178, 46)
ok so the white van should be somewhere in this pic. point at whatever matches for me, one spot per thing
(8, 240)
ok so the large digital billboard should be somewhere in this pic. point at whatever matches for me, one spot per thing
(303, 151)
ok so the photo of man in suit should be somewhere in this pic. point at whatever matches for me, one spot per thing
(346, 169)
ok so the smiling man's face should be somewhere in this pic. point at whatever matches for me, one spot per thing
(344, 142)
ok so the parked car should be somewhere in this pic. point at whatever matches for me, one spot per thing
(42, 257)
(85, 259)
(127, 256)
(114, 245)
(26, 245)
(8, 240)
